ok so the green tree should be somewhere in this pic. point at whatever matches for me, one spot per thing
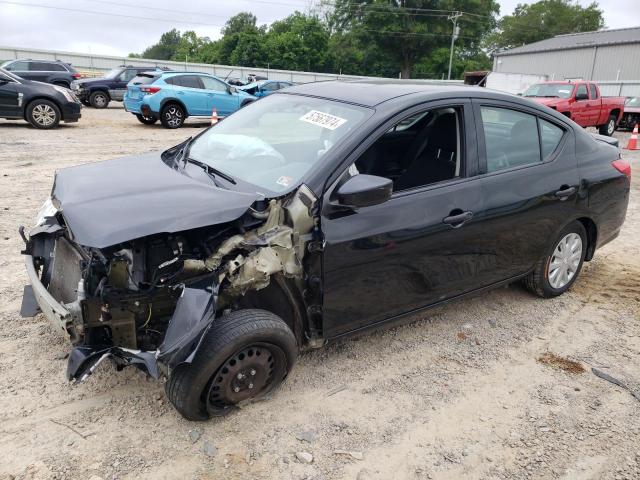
(166, 48)
(408, 31)
(189, 48)
(544, 19)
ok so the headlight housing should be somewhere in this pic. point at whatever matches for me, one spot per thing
(67, 93)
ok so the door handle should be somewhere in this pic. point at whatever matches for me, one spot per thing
(458, 219)
(565, 191)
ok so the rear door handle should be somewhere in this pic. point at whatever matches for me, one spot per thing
(458, 219)
(565, 192)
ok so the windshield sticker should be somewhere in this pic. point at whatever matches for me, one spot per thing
(284, 181)
(324, 120)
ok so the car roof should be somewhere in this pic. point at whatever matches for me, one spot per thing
(370, 93)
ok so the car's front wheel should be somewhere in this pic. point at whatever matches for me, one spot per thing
(147, 120)
(244, 356)
(558, 269)
(99, 100)
(43, 114)
(172, 116)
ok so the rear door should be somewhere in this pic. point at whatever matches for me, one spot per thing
(190, 91)
(219, 97)
(595, 106)
(530, 182)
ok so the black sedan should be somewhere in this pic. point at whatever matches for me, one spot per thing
(319, 212)
(41, 104)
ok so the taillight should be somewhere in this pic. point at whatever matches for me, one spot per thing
(623, 166)
(150, 90)
(76, 76)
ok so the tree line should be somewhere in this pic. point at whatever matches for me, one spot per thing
(386, 38)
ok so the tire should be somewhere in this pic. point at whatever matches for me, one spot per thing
(43, 114)
(253, 343)
(99, 99)
(609, 127)
(146, 120)
(62, 84)
(542, 280)
(172, 116)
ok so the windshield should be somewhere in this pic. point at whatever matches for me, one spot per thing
(633, 102)
(10, 75)
(561, 90)
(113, 73)
(274, 142)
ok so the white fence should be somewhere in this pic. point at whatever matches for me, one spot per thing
(105, 62)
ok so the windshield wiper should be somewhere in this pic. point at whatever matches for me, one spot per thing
(211, 171)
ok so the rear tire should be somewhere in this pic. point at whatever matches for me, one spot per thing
(547, 279)
(99, 100)
(609, 127)
(172, 116)
(43, 114)
(146, 120)
(244, 356)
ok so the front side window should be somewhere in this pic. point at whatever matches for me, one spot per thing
(273, 143)
(213, 84)
(581, 93)
(511, 138)
(128, 75)
(420, 150)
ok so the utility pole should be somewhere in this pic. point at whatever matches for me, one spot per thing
(456, 31)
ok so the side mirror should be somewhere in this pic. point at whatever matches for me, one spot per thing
(231, 90)
(365, 191)
(582, 96)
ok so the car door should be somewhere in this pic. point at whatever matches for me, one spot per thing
(421, 247)
(529, 177)
(219, 96)
(190, 91)
(581, 106)
(118, 88)
(10, 98)
(595, 106)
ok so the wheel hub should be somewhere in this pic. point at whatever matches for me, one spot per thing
(244, 375)
(565, 260)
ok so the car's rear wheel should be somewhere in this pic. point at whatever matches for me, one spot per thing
(244, 356)
(99, 100)
(172, 116)
(43, 114)
(558, 269)
(609, 127)
(150, 120)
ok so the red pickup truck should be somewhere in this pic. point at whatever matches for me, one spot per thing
(580, 101)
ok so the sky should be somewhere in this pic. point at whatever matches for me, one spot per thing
(70, 27)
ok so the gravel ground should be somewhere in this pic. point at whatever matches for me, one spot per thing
(459, 393)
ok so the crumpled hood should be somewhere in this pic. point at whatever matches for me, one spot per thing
(110, 202)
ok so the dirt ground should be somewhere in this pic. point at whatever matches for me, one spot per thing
(483, 388)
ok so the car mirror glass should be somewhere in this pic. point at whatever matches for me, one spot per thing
(364, 191)
(231, 89)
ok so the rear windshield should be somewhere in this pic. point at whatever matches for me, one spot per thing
(143, 79)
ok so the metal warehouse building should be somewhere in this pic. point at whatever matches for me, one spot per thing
(606, 55)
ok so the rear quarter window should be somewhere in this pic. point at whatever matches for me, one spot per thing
(550, 136)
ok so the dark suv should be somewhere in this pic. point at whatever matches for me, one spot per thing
(47, 71)
(98, 92)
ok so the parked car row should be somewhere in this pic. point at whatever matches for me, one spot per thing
(149, 94)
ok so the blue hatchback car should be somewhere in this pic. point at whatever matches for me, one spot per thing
(171, 97)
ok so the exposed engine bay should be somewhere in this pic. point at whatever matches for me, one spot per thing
(148, 301)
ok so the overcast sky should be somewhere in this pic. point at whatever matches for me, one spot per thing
(69, 26)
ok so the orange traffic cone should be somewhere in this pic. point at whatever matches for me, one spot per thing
(633, 141)
(214, 116)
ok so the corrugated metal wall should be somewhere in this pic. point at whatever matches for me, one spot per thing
(599, 63)
(104, 62)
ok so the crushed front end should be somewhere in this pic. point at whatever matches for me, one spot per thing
(148, 302)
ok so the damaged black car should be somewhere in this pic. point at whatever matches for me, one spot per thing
(319, 212)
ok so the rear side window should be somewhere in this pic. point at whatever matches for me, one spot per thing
(594, 91)
(511, 138)
(142, 79)
(46, 67)
(550, 136)
(189, 81)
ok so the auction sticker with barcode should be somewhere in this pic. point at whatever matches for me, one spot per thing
(324, 120)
